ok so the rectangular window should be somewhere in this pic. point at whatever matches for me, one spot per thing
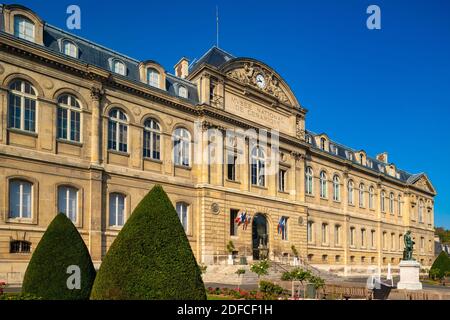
(282, 180)
(233, 225)
(116, 209)
(310, 231)
(372, 237)
(20, 199)
(363, 237)
(182, 210)
(352, 236)
(231, 166)
(284, 228)
(337, 235)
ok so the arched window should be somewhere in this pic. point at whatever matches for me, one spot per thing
(182, 92)
(181, 147)
(258, 164)
(22, 106)
(391, 203)
(309, 181)
(20, 199)
(362, 189)
(153, 77)
(118, 131)
(119, 67)
(371, 197)
(323, 184)
(116, 209)
(182, 210)
(24, 28)
(69, 118)
(421, 207)
(350, 189)
(336, 188)
(70, 49)
(322, 143)
(382, 203)
(152, 139)
(68, 202)
(400, 205)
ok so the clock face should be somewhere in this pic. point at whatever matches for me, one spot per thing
(260, 81)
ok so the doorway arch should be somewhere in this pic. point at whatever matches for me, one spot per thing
(260, 235)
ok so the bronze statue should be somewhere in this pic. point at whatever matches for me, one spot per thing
(409, 246)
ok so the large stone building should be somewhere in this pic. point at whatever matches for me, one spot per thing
(87, 131)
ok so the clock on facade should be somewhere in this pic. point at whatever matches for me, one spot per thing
(260, 81)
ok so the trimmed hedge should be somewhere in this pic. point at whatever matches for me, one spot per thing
(60, 247)
(151, 257)
(441, 264)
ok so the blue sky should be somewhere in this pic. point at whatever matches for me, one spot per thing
(377, 90)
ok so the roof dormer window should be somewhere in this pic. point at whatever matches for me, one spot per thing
(308, 139)
(24, 28)
(119, 67)
(70, 49)
(153, 77)
(182, 92)
(322, 143)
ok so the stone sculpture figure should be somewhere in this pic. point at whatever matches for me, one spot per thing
(409, 246)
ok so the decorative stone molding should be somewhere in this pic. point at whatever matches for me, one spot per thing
(97, 93)
(272, 84)
(298, 156)
(215, 208)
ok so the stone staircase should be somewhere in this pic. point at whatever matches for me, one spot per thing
(226, 274)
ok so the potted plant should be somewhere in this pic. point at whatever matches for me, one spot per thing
(230, 249)
(239, 272)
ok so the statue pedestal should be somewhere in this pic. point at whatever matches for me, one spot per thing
(409, 275)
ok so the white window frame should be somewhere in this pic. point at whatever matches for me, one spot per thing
(120, 125)
(21, 183)
(68, 189)
(323, 185)
(371, 197)
(309, 181)
(181, 146)
(336, 188)
(182, 92)
(350, 192)
(69, 48)
(258, 159)
(153, 77)
(24, 27)
(122, 70)
(180, 205)
(116, 196)
(32, 97)
(361, 192)
(152, 132)
(70, 109)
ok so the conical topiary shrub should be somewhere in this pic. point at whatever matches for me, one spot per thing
(47, 273)
(441, 264)
(151, 257)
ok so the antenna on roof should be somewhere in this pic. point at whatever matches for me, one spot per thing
(217, 26)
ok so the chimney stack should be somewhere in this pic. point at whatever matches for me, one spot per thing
(383, 157)
(182, 68)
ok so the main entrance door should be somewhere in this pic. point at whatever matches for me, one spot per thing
(259, 237)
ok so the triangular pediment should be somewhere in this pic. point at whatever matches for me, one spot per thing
(422, 182)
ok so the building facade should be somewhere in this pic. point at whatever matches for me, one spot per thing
(87, 131)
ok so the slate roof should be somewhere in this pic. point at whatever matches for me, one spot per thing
(95, 54)
(377, 166)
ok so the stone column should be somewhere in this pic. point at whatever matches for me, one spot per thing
(96, 127)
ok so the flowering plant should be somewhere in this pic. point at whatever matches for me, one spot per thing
(2, 286)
